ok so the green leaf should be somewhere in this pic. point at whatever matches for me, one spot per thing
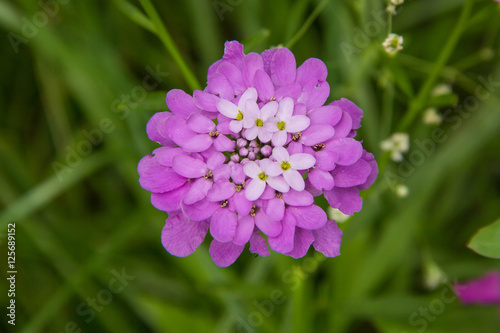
(486, 241)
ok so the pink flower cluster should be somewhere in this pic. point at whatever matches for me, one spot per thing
(245, 157)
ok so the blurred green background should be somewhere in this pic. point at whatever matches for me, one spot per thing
(77, 92)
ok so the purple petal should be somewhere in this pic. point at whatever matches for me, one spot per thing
(152, 129)
(352, 175)
(201, 210)
(223, 143)
(348, 150)
(217, 84)
(177, 130)
(223, 225)
(346, 200)
(198, 191)
(301, 243)
(374, 171)
(233, 76)
(330, 115)
(198, 143)
(322, 180)
(222, 190)
(292, 90)
(233, 52)
(266, 225)
(312, 69)
(237, 174)
(311, 217)
(325, 160)
(242, 205)
(296, 198)
(146, 163)
(253, 62)
(485, 290)
(222, 172)
(314, 94)
(275, 209)
(181, 237)
(161, 179)
(283, 243)
(267, 57)
(205, 101)
(295, 148)
(224, 254)
(244, 230)
(344, 126)
(315, 134)
(165, 155)
(283, 67)
(352, 109)
(264, 85)
(170, 201)
(327, 239)
(189, 167)
(258, 245)
(200, 124)
(180, 103)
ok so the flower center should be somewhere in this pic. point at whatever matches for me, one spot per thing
(319, 146)
(259, 122)
(285, 165)
(281, 125)
(262, 176)
(239, 116)
(239, 187)
(224, 203)
(252, 211)
(214, 134)
(297, 136)
(208, 174)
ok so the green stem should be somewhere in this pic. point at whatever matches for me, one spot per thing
(162, 33)
(445, 54)
(307, 24)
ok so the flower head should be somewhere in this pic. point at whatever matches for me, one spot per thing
(244, 158)
(397, 144)
(393, 43)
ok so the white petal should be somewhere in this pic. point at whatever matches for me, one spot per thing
(254, 190)
(280, 154)
(297, 123)
(273, 169)
(268, 110)
(227, 108)
(249, 94)
(235, 126)
(250, 114)
(251, 133)
(252, 170)
(294, 179)
(302, 161)
(279, 138)
(264, 135)
(271, 124)
(278, 183)
(285, 110)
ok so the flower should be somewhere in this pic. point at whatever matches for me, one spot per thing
(485, 290)
(432, 117)
(244, 158)
(397, 144)
(397, 2)
(393, 43)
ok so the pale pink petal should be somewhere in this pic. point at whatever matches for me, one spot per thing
(294, 179)
(278, 183)
(302, 161)
(273, 169)
(280, 154)
(264, 136)
(254, 189)
(268, 110)
(251, 169)
(251, 133)
(297, 124)
(235, 126)
(227, 108)
(279, 138)
(285, 109)
(249, 95)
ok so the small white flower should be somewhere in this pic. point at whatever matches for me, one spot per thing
(397, 2)
(433, 275)
(256, 121)
(290, 164)
(262, 174)
(337, 215)
(441, 89)
(285, 122)
(393, 43)
(432, 117)
(402, 191)
(237, 112)
(397, 144)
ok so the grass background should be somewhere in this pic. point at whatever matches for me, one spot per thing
(75, 226)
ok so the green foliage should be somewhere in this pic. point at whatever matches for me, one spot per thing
(79, 87)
